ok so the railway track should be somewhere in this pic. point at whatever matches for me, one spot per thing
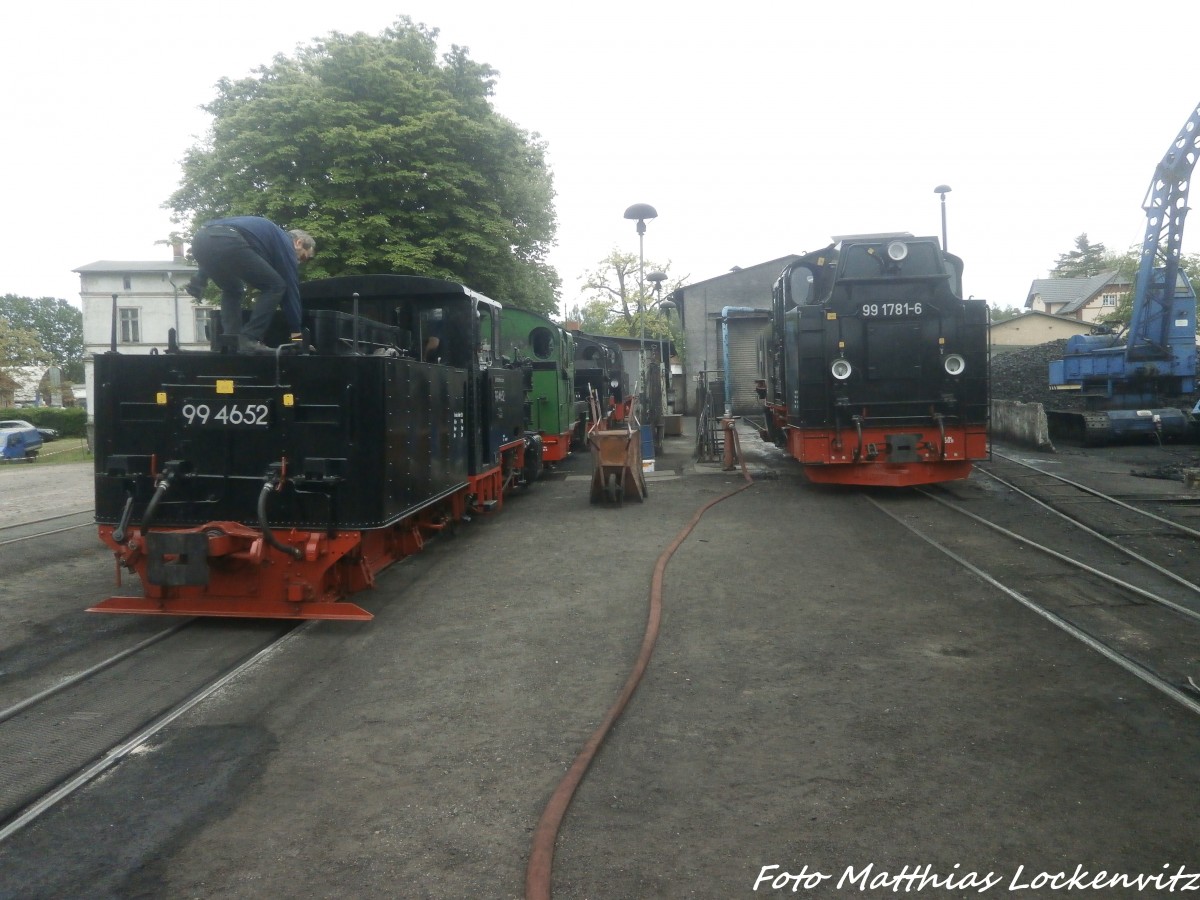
(1116, 575)
(55, 741)
(33, 529)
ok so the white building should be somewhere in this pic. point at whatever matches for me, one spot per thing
(133, 306)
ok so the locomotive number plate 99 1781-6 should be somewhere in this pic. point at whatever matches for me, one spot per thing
(226, 413)
(872, 310)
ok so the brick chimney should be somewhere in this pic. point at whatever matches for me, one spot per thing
(177, 250)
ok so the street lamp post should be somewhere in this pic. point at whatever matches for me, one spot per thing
(641, 212)
(657, 278)
(656, 394)
(943, 189)
(666, 306)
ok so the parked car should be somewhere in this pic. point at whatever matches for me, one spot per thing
(48, 434)
(19, 440)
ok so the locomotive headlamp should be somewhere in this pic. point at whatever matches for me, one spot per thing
(841, 369)
(897, 250)
(954, 364)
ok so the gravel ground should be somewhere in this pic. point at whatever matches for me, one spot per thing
(31, 491)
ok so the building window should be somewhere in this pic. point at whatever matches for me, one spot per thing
(204, 322)
(131, 332)
(1108, 299)
(128, 283)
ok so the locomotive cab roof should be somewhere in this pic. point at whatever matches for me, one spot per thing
(417, 306)
(890, 255)
(338, 292)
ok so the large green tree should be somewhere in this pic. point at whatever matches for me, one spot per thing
(41, 332)
(20, 347)
(393, 159)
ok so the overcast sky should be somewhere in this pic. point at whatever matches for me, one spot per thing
(756, 129)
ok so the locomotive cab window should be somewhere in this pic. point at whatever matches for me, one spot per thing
(431, 333)
(453, 333)
(541, 341)
(800, 287)
(485, 321)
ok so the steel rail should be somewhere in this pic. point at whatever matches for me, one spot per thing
(30, 537)
(1133, 667)
(119, 752)
(1083, 487)
(78, 512)
(9, 528)
(1091, 570)
(49, 692)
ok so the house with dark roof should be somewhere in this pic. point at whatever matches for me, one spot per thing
(1083, 299)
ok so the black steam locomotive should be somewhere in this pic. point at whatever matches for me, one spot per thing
(276, 486)
(874, 368)
(601, 383)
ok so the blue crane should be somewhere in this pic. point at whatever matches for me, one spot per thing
(1129, 379)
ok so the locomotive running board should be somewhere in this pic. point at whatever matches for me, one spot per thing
(259, 609)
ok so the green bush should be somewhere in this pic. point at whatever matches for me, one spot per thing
(68, 422)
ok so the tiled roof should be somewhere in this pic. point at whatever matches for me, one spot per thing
(1073, 292)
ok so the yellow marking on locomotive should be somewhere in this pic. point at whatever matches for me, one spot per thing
(161, 398)
(830, 316)
(941, 341)
(224, 385)
(289, 399)
(841, 345)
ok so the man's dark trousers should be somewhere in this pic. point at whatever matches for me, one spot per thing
(228, 259)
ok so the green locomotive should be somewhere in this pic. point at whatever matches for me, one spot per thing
(545, 353)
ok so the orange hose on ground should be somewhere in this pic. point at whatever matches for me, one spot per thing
(541, 853)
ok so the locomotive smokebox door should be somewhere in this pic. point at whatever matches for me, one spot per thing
(902, 448)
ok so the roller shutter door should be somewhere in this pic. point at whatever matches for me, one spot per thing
(743, 363)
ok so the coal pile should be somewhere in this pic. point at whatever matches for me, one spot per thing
(1024, 375)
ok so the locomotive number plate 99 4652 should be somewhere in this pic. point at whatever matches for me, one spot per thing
(876, 310)
(226, 413)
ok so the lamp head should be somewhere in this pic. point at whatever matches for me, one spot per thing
(641, 212)
(942, 189)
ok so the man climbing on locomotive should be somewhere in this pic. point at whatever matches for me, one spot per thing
(243, 251)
